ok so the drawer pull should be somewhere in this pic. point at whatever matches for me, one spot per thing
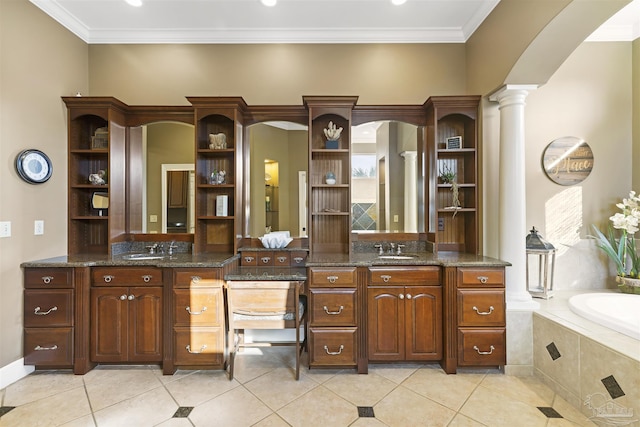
(47, 279)
(484, 353)
(265, 259)
(483, 313)
(196, 313)
(38, 348)
(196, 278)
(332, 279)
(249, 259)
(298, 259)
(44, 313)
(326, 310)
(385, 278)
(282, 259)
(147, 278)
(483, 279)
(108, 278)
(123, 297)
(202, 349)
(333, 353)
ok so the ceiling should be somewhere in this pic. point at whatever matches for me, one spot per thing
(290, 21)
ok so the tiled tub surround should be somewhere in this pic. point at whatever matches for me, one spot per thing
(589, 365)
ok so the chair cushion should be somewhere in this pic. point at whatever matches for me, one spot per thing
(289, 315)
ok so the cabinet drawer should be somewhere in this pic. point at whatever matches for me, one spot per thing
(404, 276)
(48, 346)
(198, 307)
(333, 307)
(298, 258)
(333, 277)
(481, 307)
(47, 278)
(102, 276)
(183, 278)
(199, 346)
(332, 346)
(249, 258)
(282, 259)
(48, 308)
(480, 347)
(480, 277)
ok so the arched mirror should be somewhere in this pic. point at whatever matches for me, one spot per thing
(276, 186)
(384, 176)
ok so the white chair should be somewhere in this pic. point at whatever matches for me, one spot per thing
(264, 305)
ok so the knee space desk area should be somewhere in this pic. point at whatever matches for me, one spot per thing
(446, 308)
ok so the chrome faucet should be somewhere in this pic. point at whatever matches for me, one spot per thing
(172, 246)
(380, 248)
(152, 248)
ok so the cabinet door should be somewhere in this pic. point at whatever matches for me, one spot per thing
(109, 324)
(177, 191)
(145, 324)
(423, 322)
(385, 320)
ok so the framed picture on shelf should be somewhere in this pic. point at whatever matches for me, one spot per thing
(454, 142)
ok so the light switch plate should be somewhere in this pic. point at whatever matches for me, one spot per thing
(5, 228)
(38, 227)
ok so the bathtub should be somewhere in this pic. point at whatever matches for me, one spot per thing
(620, 312)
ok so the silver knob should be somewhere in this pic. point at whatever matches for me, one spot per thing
(130, 297)
(147, 278)
(123, 297)
(401, 296)
(108, 278)
(408, 296)
(47, 279)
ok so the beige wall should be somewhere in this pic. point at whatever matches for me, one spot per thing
(39, 62)
(586, 97)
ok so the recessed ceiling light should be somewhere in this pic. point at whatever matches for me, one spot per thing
(136, 3)
(269, 2)
(398, 2)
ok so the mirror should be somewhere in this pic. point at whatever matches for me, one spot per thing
(100, 201)
(277, 164)
(384, 193)
(168, 198)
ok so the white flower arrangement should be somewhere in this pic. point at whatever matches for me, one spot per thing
(332, 132)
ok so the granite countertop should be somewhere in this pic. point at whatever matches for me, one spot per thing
(359, 259)
(173, 261)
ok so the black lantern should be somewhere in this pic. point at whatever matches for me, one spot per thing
(543, 259)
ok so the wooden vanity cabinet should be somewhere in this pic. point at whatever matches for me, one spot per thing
(198, 326)
(49, 317)
(481, 317)
(404, 314)
(126, 314)
(333, 331)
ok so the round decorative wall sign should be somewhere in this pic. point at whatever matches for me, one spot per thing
(567, 160)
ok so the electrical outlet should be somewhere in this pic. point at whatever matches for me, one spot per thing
(153, 218)
(5, 228)
(395, 218)
(440, 224)
(38, 227)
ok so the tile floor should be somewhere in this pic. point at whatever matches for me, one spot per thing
(265, 393)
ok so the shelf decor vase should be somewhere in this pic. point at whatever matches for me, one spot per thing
(628, 285)
(332, 144)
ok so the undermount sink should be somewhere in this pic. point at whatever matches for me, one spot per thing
(396, 256)
(138, 257)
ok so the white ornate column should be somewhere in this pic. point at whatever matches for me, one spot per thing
(410, 191)
(512, 193)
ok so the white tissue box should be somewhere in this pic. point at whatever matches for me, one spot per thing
(222, 205)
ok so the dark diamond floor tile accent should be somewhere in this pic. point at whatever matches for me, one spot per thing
(183, 412)
(612, 387)
(549, 412)
(553, 351)
(5, 409)
(365, 412)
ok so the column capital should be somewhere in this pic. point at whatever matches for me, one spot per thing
(409, 154)
(510, 90)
